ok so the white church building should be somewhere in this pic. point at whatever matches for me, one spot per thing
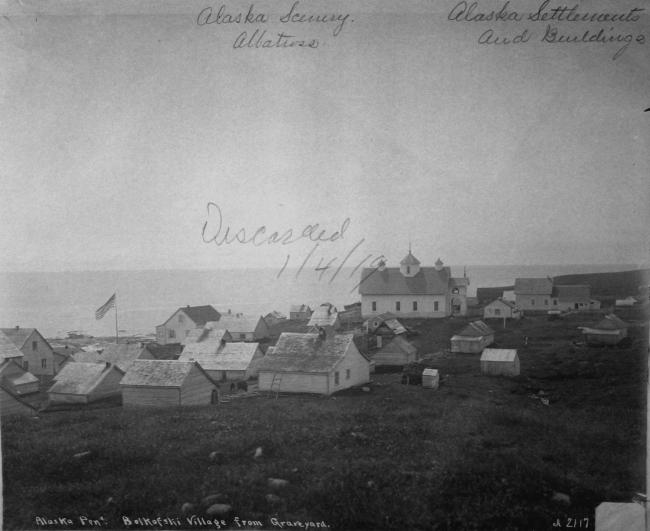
(412, 291)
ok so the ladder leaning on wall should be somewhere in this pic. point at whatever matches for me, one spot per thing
(277, 379)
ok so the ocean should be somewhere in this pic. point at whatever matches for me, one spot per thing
(57, 303)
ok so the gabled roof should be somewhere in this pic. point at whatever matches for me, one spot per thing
(400, 343)
(611, 322)
(122, 355)
(198, 314)
(499, 354)
(207, 336)
(18, 336)
(299, 308)
(390, 281)
(13, 395)
(501, 301)
(306, 353)
(571, 293)
(170, 351)
(380, 318)
(160, 373)
(244, 324)
(11, 371)
(81, 378)
(410, 260)
(533, 286)
(276, 315)
(476, 329)
(394, 325)
(324, 316)
(229, 357)
(8, 349)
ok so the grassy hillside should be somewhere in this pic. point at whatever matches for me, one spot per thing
(481, 452)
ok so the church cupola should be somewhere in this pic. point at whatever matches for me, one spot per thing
(438, 265)
(381, 266)
(410, 266)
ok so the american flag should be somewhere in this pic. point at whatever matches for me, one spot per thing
(103, 309)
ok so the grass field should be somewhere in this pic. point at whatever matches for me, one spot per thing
(480, 452)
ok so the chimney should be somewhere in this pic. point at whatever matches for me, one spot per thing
(382, 265)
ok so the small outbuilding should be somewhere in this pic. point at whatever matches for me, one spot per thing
(242, 327)
(273, 318)
(11, 405)
(500, 309)
(430, 378)
(473, 338)
(609, 331)
(167, 383)
(397, 352)
(229, 361)
(81, 383)
(122, 355)
(500, 361)
(313, 363)
(387, 330)
(17, 379)
(629, 301)
(325, 315)
(300, 311)
(371, 324)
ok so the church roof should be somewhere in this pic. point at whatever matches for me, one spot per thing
(391, 281)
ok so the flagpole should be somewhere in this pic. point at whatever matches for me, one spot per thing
(117, 335)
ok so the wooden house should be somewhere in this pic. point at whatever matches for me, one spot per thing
(373, 322)
(313, 363)
(398, 351)
(273, 318)
(38, 356)
(609, 331)
(224, 361)
(533, 293)
(473, 338)
(300, 311)
(573, 298)
(500, 309)
(167, 383)
(500, 361)
(9, 351)
(412, 291)
(85, 382)
(388, 330)
(243, 327)
(11, 405)
(122, 355)
(629, 301)
(325, 315)
(430, 378)
(174, 329)
(17, 379)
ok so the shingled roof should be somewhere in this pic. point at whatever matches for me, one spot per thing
(7, 348)
(207, 337)
(475, 329)
(324, 316)
(400, 343)
(198, 314)
(306, 353)
(571, 293)
(299, 308)
(122, 354)
(229, 357)
(533, 286)
(19, 376)
(499, 354)
(81, 378)
(18, 336)
(390, 281)
(160, 373)
(611, 322)
(244, 324)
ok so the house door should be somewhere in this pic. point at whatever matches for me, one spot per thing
(455, 305)
(215, 397)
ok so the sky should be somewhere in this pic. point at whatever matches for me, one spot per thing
(123, 122)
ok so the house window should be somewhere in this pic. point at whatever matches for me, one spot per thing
(376, 324)
(415, 306)
(554, 302)
(532, 302)
(171, 334)
(408, 270)
(497, 311)
(26, 365)
(545, 302)
(374, 306)
(187, 333)
(336, 378)
(34, 345)
(397, 306)
(242, 336)
(43, 364)
(435, 306)
(181, 318)
(347, 374)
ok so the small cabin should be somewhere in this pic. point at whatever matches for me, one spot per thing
(313, 363)
(500, 309)
(167, 383)
(81, 383)
(500, 361)
(430, 378)
(397, 351)
(242, 327)
(609, 331)
(273, 318)
(300, 312)
(17, 379)
(473, 338)
(225, 361)
(11, 405)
